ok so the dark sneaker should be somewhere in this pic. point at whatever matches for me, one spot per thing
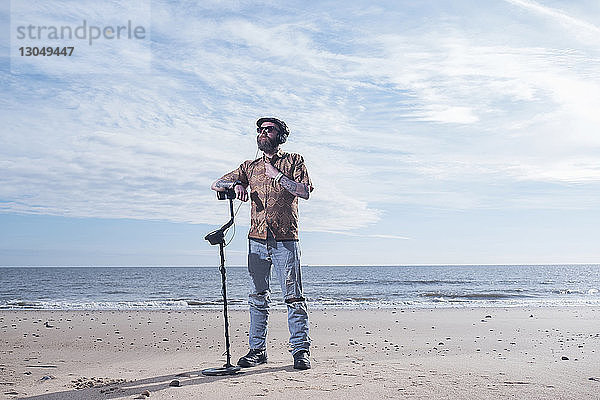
(301, 360)
(253, 358)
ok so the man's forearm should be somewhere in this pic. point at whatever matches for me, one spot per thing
(295, 188)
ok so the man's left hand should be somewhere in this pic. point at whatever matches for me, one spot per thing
(271, 171)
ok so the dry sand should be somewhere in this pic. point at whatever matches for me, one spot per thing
(494, 353)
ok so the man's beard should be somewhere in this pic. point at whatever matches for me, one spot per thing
(266, 145)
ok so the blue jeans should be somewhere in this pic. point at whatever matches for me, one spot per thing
(285, 258)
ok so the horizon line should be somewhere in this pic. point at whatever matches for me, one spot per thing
(303, 265)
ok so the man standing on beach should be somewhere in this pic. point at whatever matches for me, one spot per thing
(276, 180)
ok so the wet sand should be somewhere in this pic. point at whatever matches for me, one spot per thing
(492, 353)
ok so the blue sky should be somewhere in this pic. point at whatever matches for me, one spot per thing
(435, 132)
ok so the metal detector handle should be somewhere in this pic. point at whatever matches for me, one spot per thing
(226, 194)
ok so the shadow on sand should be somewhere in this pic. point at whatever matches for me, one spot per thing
(153, 384)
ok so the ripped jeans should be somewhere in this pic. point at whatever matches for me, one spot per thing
(285, 258)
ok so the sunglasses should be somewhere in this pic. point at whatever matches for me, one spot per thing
(269, 129)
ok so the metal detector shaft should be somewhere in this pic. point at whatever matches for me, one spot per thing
(224, 290)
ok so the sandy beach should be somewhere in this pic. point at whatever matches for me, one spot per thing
(524, 353)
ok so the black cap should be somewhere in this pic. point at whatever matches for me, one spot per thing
(284, 131)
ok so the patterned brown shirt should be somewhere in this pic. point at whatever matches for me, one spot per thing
(273, 207)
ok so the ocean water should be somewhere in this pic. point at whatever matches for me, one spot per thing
(110, 288)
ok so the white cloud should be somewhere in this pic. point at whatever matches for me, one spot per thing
(560, 16)
(446, 114)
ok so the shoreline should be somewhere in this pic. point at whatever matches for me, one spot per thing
(470, 353)
(276, 304)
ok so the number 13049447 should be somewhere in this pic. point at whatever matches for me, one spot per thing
(46, 51)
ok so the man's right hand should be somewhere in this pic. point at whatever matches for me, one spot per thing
(241, 193)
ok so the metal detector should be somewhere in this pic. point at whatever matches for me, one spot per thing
(218, 237)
